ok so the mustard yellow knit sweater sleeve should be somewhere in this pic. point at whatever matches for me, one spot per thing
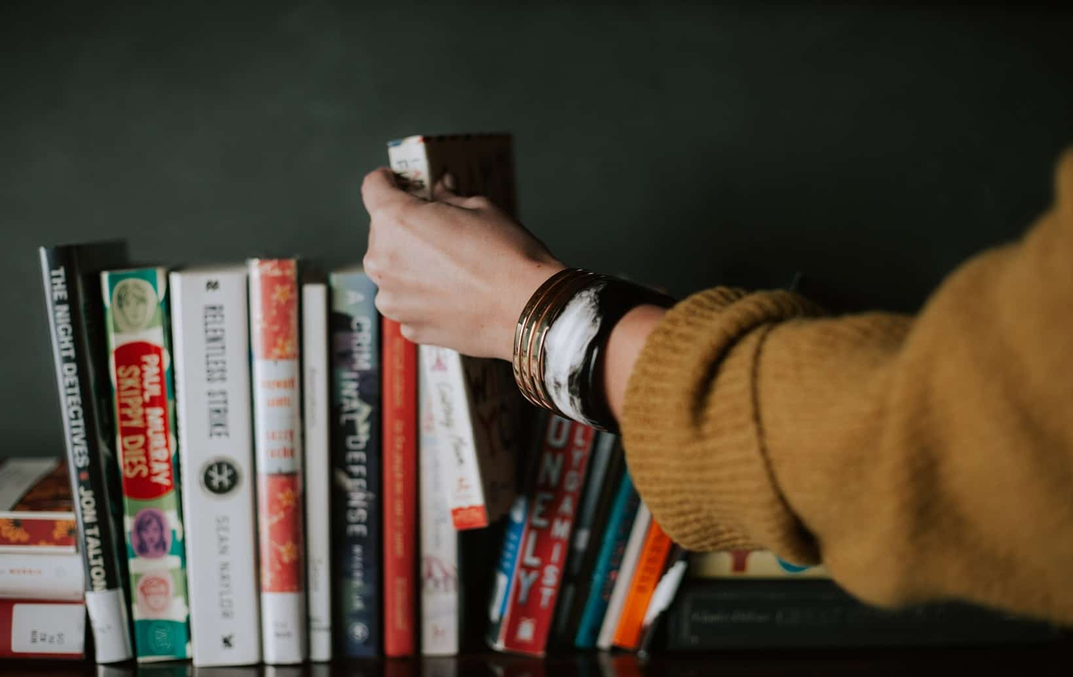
(919, 458)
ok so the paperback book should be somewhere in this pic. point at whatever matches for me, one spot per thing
(210, 313)
(315, 424)
(139, 343)
(71, 282)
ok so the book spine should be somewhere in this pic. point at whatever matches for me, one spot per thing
(42, 629)
(136, 319)
(749, 564)
(712, 615)
(354, 328)
(443, 370)
(630, 556)
(495, 408)
(600, 468)
(315, 417)
(36, 508)
(67, 301)
(608, 562)
(42, 576)
(278, 453)
(210, 313)
(477, 406)
(400, 489)
(645, 577)
(662, 598)
(505, 570)
(440, 604)
(564, 458)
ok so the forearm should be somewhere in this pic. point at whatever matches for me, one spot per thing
(922, 457)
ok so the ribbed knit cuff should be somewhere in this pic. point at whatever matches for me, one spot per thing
(690, 426)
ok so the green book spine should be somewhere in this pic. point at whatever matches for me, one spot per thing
(140, 367)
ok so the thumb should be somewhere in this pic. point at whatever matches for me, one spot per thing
(444, 191)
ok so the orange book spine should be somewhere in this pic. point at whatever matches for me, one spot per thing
(645, 577)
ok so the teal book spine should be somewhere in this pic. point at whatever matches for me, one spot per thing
(608, 561)
(143, 390)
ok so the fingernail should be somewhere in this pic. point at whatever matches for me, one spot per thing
(449, 181)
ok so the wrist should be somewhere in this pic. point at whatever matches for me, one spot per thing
(524, 285)
(562, 337)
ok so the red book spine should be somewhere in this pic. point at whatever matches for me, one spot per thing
(42, 629)
(564, 456)
(278, 452)
(400, 490)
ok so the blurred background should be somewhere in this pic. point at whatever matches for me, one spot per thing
(870, 147)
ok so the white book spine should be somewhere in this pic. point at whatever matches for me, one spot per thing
(440, 611)
(317, 468)
(211, 339)
(625, 575)
(443, 370)
(37, 576)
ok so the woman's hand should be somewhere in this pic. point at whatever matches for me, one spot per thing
(455, 272)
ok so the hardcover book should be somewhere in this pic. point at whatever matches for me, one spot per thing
(748, 564)
(399, 490)
(139, 342)
(753, 614)
(315, 422)
(476, 404)
(210, 317)
(42, 629)
(630, 557)
(606, 569)
(71, 282)
(278, 456)
(603, 478)
(36, 510)
(646, 575)
(545, 540)
(354, 329)
(38, 558)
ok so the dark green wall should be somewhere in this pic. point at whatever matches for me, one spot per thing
(871, 148)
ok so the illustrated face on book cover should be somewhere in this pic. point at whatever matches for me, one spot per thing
(133, 301)
(150, 533)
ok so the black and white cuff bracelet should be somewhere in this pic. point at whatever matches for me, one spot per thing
(561, 338)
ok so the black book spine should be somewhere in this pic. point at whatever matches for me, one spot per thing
(74, 316)
(354, 334)
(603, 477)
(776, 614)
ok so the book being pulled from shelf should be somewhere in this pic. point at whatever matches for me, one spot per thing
(476, 404)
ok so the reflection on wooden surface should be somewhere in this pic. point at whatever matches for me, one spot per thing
(1044, 659)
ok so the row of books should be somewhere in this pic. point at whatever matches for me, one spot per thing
(262, 469)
